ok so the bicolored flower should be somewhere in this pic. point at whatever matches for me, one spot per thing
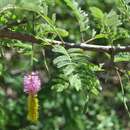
(32, 84)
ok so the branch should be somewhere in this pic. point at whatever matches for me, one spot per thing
(90, 47)
(7, 34)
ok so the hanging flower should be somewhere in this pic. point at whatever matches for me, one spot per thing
(32, 84)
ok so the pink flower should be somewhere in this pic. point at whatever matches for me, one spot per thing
(32, 83)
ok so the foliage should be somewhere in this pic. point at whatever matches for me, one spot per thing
(73, 95)
(75, 72)
(80, 15)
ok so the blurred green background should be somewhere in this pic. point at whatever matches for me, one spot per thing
(64, 110)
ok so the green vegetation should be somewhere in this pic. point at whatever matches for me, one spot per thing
(82, 89)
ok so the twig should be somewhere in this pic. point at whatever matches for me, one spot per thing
(123, 92)
(90, 40)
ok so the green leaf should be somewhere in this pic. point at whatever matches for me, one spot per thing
(59, 49)
(98, 36)
(59, 87)
(75, 82)
(22, 45)
(64, 63)
(48, 29)
(59, 59)
(97, 13)
(94, 91)
(75, 50)
(62, 32)
(69, 70)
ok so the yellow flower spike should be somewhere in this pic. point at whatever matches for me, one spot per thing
(33, 114)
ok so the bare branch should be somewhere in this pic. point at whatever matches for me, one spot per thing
(7, 34)
(90, 47)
